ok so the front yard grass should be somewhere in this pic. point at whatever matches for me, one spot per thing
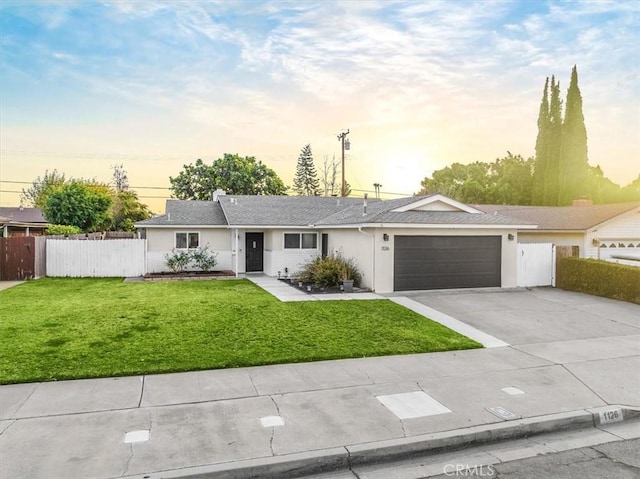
(56, 328)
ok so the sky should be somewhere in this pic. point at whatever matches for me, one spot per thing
(154, 85)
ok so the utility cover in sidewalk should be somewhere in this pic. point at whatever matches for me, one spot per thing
(412, 405)
(271, 421)
(513, 391)
(502, 413)
(136, 436)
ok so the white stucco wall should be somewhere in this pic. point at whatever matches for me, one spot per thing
(160, 242)
(384, 263)
(378, 274)
(350, 243)
(275, 257)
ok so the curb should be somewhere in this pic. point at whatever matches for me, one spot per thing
(335, 459)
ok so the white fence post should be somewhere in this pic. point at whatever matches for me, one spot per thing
(93, 259)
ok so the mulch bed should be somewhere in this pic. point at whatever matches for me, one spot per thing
(189, 275)
(315, 289)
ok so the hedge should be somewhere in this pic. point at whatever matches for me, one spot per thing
(600, 278)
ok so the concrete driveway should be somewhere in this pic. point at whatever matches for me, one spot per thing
(539, 315)
(596, 339)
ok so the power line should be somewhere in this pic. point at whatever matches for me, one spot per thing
(135, 187)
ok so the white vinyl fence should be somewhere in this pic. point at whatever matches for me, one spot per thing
(83, 258)
(536, 264)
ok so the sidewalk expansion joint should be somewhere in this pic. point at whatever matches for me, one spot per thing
(584, 384)
(141, 391)
(37, 385)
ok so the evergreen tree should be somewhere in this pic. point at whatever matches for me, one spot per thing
(306, 181)
(542, 148)
(574, 167)
(554, 146)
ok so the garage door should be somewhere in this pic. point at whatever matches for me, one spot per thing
(441, 262)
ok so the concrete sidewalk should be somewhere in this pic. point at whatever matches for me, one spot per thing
(278, 421)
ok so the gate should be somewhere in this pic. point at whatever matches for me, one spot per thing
(17, 258)
(536, 264)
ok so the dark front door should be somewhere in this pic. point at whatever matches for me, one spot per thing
(325, 245)
(441, 262)
(254, 251)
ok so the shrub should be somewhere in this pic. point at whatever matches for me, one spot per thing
(178, 260)
(600, 278)
(330, 270)
(65, 230)
(204, 259)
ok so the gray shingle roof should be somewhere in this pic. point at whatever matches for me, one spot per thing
(562, 218)
(382, 212)
(188, 213)
(302, 211)
(281, 210)
(22, 215)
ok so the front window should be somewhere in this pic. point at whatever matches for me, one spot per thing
(187, 240)
(300, 241)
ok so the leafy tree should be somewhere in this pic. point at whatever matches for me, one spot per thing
(466, 183)
(574, 167)
(78, 204)
(36, 195)
(127, 210)
(507, 180)
(66, 230)
(232, 173)
(511, 181)
(631, 192)
(305, 182)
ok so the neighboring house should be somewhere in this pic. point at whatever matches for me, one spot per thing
(414, 243)
(598, 231)
(21, 221)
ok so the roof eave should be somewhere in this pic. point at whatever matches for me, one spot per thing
(429, 226)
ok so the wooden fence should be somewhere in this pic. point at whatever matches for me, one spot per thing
(22, 257)
(78, 258)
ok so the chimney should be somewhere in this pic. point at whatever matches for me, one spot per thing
(218, 193)
(364, 206)
(582, 201)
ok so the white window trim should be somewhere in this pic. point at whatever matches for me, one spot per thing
(299, 233)
(175, 239)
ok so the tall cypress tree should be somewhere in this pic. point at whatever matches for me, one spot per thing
(552, 170)
(542, 148)
(574, 166)
(305, 182)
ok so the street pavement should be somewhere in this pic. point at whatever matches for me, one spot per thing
(569, 361)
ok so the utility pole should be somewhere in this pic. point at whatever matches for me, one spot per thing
(341, 138)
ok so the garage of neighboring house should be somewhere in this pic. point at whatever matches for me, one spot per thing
(446, 262)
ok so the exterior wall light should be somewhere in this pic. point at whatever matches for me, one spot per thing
(510, 237)
(385, 237)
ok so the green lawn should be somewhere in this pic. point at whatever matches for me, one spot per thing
(57, 328)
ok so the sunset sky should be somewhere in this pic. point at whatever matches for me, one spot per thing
(154, 85)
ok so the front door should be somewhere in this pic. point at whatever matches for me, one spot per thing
(254, 251)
